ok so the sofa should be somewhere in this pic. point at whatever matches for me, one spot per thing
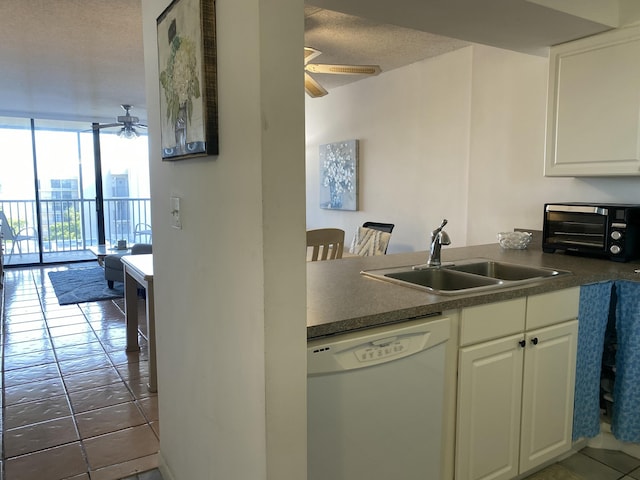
(113, 268)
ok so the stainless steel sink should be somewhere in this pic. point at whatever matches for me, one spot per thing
(464, 276)
(504, 271)
(442, 279)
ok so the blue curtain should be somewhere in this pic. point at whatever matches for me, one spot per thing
(625, 422)
(593, 313)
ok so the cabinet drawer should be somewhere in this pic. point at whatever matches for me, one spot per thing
(553, 307)
(494, 320)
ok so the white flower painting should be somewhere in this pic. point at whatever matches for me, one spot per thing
(339, 175)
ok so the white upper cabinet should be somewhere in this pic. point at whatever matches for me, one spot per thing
(593, 111)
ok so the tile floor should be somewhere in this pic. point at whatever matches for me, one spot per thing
(592, 464)
(74, 403)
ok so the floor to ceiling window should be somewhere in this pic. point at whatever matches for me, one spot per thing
(17, 190)
(64, 189)
(125, 180)
(66, 194)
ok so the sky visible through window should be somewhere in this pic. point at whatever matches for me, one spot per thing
(67, 153)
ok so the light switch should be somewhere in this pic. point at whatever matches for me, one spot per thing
(176, 222)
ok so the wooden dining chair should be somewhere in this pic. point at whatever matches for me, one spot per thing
(327, 243)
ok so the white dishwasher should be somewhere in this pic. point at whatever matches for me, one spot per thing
(375, 401)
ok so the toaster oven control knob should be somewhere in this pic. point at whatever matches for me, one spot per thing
(616, 235)
(615, 249)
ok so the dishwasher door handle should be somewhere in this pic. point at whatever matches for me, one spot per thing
(383, 342)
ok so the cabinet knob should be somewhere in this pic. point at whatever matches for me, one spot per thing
(534, 340)
(522, 343)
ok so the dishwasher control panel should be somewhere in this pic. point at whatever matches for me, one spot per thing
(396, 346)
(379, 345)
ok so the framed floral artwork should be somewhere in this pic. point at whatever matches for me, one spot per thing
(339, 175)
(188, 85)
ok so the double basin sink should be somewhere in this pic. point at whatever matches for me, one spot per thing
(464, 276)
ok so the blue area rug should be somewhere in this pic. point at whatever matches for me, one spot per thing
(79, 285)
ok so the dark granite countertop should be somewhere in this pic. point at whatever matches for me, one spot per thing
(340, 299)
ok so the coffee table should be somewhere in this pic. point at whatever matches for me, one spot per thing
(101, 251)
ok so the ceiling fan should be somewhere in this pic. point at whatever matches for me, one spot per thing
(313, 88)
(127, 123)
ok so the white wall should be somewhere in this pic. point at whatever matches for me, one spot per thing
(459, 136)
(230, 289)
(508, 188)
(413, 128)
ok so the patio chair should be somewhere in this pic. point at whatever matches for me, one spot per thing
(16, 238)
(142, 230)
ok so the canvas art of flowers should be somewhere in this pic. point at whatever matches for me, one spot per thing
(180, 79)
(187, 80)
(338, 165)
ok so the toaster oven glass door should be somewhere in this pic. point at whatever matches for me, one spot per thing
(576, 229)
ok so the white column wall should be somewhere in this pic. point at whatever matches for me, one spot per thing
(230, 286)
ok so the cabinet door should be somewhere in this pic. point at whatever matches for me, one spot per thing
(489, 394)
(593, 112)
(547, 393)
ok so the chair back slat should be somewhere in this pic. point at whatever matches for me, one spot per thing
(326, 243)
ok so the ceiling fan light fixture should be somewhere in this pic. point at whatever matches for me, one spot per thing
(127, 122)
(128, 132)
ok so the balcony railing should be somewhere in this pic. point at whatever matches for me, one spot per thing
(68, 227)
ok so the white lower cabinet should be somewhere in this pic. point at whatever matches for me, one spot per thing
(547, 394)
(489, 406)
(515, 392)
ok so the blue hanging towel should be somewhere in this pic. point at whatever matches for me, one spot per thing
(593, 314)
(625, 421)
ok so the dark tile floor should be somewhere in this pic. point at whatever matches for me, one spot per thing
(75, 404)
(593, 464)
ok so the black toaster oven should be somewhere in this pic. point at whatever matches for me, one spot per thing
(601, 230)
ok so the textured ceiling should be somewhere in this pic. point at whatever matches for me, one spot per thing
(346, 39)
(81, 59)
(71, 59)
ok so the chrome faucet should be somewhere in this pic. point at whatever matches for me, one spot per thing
(438, 238)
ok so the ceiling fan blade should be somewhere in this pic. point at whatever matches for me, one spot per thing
(313, 88)
(310, 54)
(107, 125)
(343, 69)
